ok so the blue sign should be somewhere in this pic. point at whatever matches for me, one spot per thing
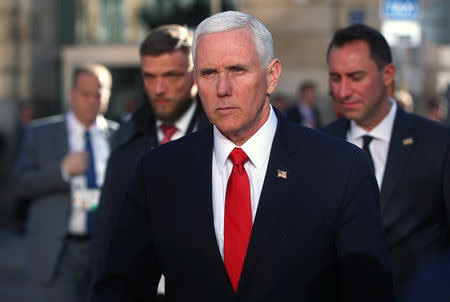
(357, 16)
(401, 9)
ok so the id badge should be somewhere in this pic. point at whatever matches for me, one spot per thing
(85, 199)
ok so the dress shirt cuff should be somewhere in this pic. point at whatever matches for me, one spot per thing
(64, 174)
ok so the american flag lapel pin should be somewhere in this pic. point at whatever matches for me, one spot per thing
(282, 174)
(408, 141)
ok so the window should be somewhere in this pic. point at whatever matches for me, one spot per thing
(122, 21)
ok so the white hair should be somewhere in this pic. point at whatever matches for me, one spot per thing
(233, 20)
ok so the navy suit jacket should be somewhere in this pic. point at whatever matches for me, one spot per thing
(415, 192)
(317, 234)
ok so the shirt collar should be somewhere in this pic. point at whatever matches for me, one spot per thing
(256, 147)
(100, 124)
(304, 107)
(183, 122)
(381, 132)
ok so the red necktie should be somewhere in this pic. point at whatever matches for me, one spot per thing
(168, 131)
(238, 217)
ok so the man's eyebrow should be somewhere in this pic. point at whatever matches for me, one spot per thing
(207, 70)
(237, 66)
(147, 73)
(356, 73)
(167, 73)
(173, 72)
(351, 73)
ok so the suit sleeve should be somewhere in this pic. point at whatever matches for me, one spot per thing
(446, 179)
(131, 271)
(108, 211)
(105, 217)
(363, 259)
(32, 177)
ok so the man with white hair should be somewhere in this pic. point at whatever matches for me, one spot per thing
(262, 211)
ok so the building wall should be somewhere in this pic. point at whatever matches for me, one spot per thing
(301, 31)
(9, 64)
(45, 56)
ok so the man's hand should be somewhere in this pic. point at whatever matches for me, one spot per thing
(75, 163)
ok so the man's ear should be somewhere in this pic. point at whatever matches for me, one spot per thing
(388, 74)
(273, 75)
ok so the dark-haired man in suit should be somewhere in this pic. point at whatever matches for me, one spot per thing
(170, 110)
(261, 211)
(410, 155)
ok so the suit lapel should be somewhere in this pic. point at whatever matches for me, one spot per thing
(203, 161)
(108, 131)
(62, 138)
(402, 142)
(273, 193)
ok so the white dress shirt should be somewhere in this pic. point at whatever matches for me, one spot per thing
(257, 149)
(182, 124)
(100, 146)
(379, 146)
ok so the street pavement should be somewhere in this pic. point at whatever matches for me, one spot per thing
(14, 285)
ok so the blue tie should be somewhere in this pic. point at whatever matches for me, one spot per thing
(91, 181)
(90, 172)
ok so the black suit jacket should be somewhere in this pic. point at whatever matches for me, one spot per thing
(131, 141)
(415, 192)
(317, 234)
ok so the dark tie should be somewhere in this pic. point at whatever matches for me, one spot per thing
(367, 139)
(91, 181)
(238, 217)
(168, 131)
(90, 172)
